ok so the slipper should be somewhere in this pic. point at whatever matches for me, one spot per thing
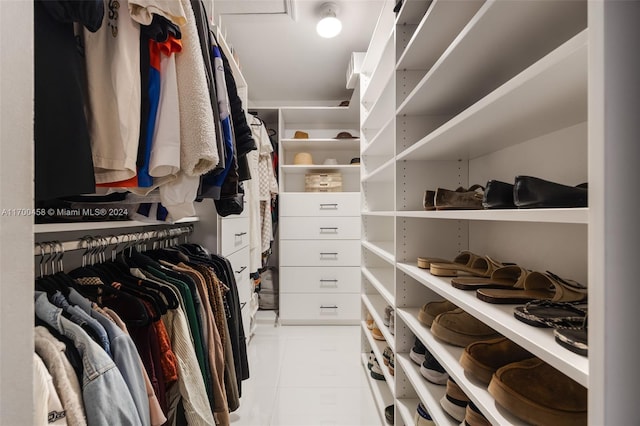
(537, 286)
(545, 313)
(574, 339)
(511, 276)
(480, 267)
(465, 258)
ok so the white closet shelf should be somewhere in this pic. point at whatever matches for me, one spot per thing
(382, 108)
(441, 23)
(506, 27)
(383, 249)
(379, 389)
(448, 356)
(379, 213)
(44, 228)
(381, 144)
(428, 392)
(378, 347)
(302, 169)
(381, 34)
(376, 276)
(384, 173)
(375, 305)
(406, 408)
(411, 11)
(317, 144)
(548, 96)
(319, 115)
(380, 76)
(573, 215)
(538, 341)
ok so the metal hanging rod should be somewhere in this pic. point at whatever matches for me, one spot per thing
(91, 241)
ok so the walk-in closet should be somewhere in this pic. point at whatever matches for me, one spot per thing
(318, 212)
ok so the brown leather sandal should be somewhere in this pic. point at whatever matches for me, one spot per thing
(480, 267)
(510, 276)
(537, 286)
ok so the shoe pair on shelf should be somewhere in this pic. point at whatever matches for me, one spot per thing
(524, 385)
(526, 192)
(568, 321)
(374, 367)
(430, 368)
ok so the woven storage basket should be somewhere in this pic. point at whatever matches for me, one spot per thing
(323, 182)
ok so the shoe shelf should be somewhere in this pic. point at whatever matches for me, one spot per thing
(375, 304)
(538, 341)
(381, 392)
(384, 173)
(380, 77)
(549, 95)
(448, 356)
(376, 277)
(382, 108)
(429, 393)
(406, 409)
(572, 215)
(383, 249)
(378, 346)
(489, 51)
(411, 11)
(379, 213)
(379, 144)
(438, 27)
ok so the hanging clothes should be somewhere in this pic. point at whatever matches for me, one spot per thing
(63, 162)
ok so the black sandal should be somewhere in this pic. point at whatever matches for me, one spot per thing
(545, 313)
(574, 339)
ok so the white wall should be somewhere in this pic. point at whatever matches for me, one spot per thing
(16, 192)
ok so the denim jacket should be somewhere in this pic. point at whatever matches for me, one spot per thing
(106, 398)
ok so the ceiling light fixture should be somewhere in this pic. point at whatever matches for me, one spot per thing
(329, 26)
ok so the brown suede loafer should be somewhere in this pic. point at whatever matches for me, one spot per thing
(431, 310)
(459, 328)
(539, 394)
(482, 359)
(460, 199)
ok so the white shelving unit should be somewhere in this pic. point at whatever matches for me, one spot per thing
(492, 90)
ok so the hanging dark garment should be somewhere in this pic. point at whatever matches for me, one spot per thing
(63, 162)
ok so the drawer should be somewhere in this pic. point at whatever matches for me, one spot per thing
(320, 204)
(320, 228)
(345, 279)
(240, 265)
(317, 308)
(234, 234)
(320, 253)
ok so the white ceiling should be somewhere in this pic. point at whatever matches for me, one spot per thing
(283, 59)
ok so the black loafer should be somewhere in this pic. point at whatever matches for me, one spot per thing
(498, 195)
(531, 192)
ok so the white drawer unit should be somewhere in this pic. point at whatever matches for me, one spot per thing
(319, 308)
(240, 265)
(300, 279)
(320, 228)
(320, 204)
(319, 253)
(235, 234)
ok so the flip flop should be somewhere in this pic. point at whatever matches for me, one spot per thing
(545, 313)
(511, 276)
(480, 267)
(537, 286)
(465, 258)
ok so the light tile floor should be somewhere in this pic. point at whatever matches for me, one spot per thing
(302, 376)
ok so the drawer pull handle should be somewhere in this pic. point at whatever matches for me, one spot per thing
(322, 280)
(327, 229)
(333, 283)
(323, 255)
(328, 307)
(241, 269)
(240, 234)
(328, 206)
